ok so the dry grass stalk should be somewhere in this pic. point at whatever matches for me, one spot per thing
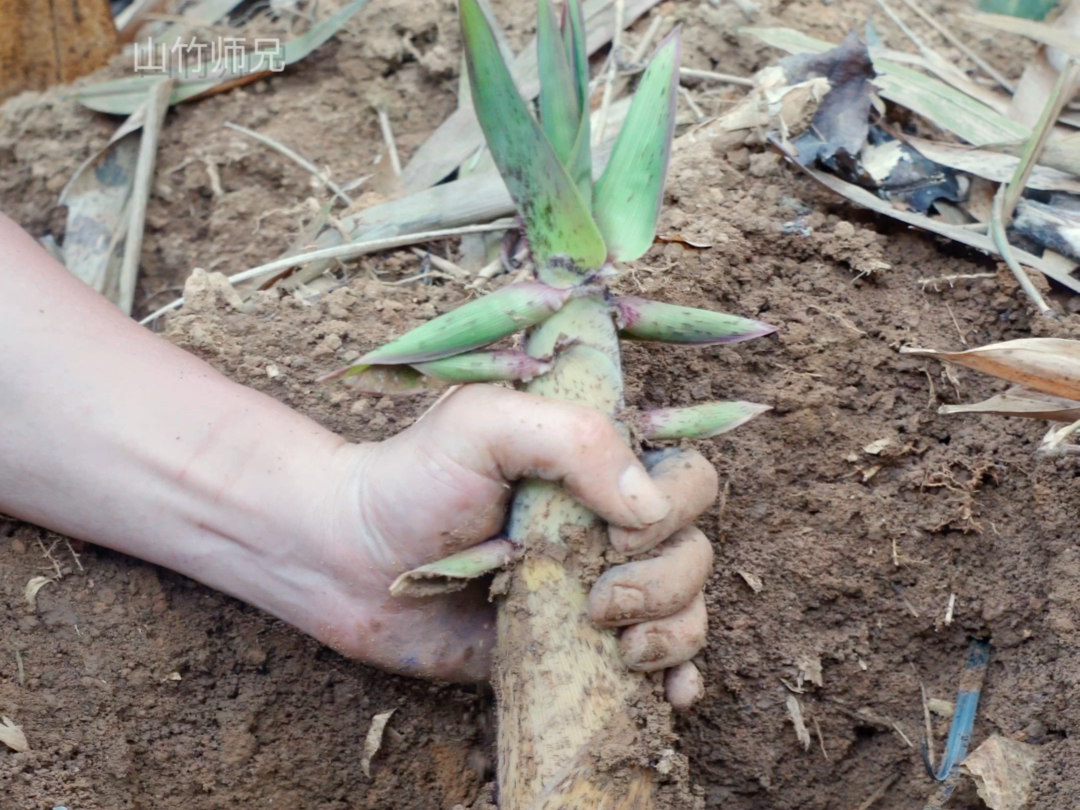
(157, 105)
(292, 155)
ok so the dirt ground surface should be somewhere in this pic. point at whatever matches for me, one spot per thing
(141, 690)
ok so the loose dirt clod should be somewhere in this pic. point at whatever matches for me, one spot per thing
(1003, 770)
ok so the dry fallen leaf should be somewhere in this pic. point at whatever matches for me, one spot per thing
(374, 740)
(875, 447)
(810, 669)
(32, 588)
(753, 580)
(1050, 365)
(12, 736)
(795, 710)
(1002, 769)
(1020, 401)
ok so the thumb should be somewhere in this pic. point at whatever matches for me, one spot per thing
(507, 435)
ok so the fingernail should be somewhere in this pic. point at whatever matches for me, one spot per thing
(643, 499)
(624, 603)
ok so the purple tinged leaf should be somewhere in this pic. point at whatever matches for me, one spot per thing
(470, 326)
(494, 366)
(697, 421)
(642, 319)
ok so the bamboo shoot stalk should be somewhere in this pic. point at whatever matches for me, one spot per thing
(560, 682)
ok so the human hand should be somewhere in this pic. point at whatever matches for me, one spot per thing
(136, 445)
(442, 486)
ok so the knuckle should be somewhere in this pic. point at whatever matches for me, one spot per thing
(589, 429)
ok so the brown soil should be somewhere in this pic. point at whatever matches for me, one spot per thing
(146, 690)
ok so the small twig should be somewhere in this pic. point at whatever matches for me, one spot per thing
(950, 279)
(447, 267)
(418, 277)
(214, 177)
(956, 323)
(711, 76)
(933, 392)
(903, 26)
(347, 251)
(296, 158)
(964, 49)
(388, 137)
(449, 392)
(899, 592)
(997, 233)
(949, 608)
(486, 273)
(878, 794)
(699, 114)
(74, 556)
(929, 725)
(157, 103)
(897, 728)
(613, 71)
(637, 58)
(642, 48)
(48, 555)
(821, 739)
(723, 501)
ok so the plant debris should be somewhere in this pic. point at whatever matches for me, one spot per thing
(795, 713)
(12, 736)
(32, 589)
(373, 741)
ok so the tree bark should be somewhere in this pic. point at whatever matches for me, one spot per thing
(47, 42)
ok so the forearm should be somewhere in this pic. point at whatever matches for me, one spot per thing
(112, 435)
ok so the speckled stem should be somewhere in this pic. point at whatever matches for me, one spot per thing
(561, 684)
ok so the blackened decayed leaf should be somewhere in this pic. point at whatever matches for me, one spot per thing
(1054, 225)
(841, 120)
(898, 173)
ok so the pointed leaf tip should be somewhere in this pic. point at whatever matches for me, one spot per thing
(472, 325)
(642, 319)
(697, 421)
(557, 219)
(628, 195)
(1049, 365)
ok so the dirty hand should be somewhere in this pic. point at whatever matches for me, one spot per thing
(441, 486)
(114, 436)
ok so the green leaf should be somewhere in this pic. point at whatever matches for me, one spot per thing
(629, 192)
(1028, 9)
(472, 325)
(557, 219)
(560, 112)
(580, 163)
